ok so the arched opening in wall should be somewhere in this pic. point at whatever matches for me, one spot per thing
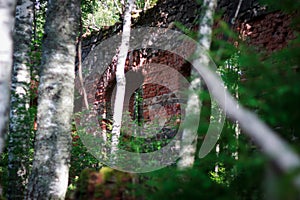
(154, 101)
(103, 95)
(156, 104)
(136, 106)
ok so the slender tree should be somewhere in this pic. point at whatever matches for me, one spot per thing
(49, 176)
(7, 8)
(193, 104)
(19, 127)
(120, 76)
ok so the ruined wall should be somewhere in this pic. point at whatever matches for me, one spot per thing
(269, 32)
(263, 29)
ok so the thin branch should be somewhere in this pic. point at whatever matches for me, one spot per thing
(80, 67)
(118, 7)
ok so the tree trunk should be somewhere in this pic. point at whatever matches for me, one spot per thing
(7, 8)
(49, 176)
(120, 76)
(20, 126)
(193, 104)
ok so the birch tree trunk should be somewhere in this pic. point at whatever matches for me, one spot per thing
(7, 8)
(49, 176)
(193, 104)
(120, 76)
(20, 126)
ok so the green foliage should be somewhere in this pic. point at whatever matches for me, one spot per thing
(80, 159)
(34, 63)
(219, 176)
(3, 170)
(272, 88)
(37, 35)
(87, 6)
(157, 137)
(169, 183)
(96, 14)
(266, 83)
(145, 4)
(288, 6)
(104, 184)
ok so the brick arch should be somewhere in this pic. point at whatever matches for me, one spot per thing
(155, 96)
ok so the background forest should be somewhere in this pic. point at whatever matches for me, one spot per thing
(43, 157)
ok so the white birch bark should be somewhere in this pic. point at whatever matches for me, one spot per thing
(7, 8)
(49, 176)
(20, 126)
(193, 104)
(120, 76)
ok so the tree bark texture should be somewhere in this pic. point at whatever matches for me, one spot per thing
(7, 8)
(49, 176)
(20, 122)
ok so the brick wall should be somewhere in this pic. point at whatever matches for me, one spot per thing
(160, 87)
(268, 32)
(265, 30)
